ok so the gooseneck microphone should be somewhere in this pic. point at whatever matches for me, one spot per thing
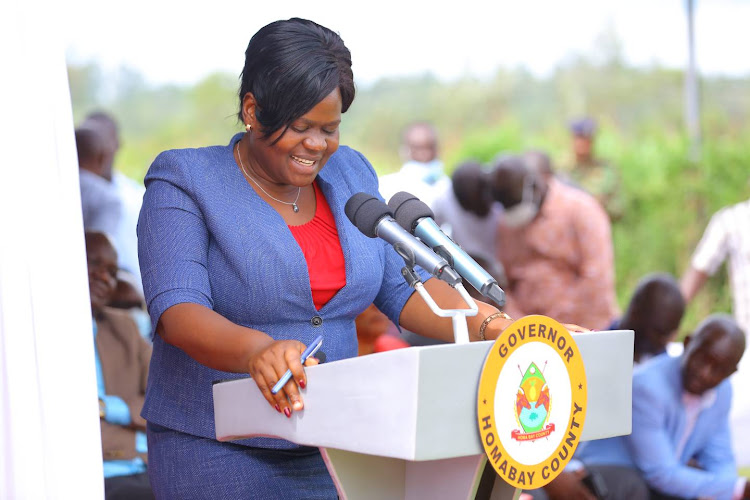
(374, 219)
(415, 216)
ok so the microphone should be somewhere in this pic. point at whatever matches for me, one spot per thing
(416, 217)
(375, 219)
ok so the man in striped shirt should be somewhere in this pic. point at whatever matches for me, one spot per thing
(727, 237)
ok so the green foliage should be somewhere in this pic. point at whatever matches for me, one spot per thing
(153, 119)
(669, 200)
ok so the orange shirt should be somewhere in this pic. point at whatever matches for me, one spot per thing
(562, 264)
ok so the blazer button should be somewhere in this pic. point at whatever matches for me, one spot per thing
(316, 321)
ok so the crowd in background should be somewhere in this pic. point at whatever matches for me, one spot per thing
(544, 232)
(110, 204)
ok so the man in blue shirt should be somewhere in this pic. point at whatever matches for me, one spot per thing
(680, 441)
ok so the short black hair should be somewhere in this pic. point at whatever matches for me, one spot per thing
(466, 181)
(657, 289)
(89, 144)
(509, 173)
(292, 65)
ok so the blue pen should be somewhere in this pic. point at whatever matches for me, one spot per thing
(311, 349)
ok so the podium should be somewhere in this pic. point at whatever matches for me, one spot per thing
(402, 424)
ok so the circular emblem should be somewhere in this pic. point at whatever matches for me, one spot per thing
(532, 401)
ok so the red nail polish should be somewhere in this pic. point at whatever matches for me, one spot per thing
(277, 408)
(302, 384)
(288, 412)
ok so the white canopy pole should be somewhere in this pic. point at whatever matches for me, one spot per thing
(50, 445)
(692, 105)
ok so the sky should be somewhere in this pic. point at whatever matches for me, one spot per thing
(171, 42)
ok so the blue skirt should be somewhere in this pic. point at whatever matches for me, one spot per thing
(182, 466)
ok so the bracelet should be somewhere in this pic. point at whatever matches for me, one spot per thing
(487, 320)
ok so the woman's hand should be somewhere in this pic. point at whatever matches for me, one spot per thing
(496, 327)
(269, 363)
(214, 341)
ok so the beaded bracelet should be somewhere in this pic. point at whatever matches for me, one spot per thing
(489, 318)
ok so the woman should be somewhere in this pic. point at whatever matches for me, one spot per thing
(246, 256)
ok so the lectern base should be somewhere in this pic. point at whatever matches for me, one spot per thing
(364, 477)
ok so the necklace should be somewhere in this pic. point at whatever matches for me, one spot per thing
(293, 203)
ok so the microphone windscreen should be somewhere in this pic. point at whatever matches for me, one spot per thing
(408, 209)
(365, 211)
(320, 356)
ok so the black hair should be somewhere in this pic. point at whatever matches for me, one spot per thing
(467, 180)
(89, 144)
(102, 116)
(657, 289)
(726, 325)
(508, 174)
(290, 66)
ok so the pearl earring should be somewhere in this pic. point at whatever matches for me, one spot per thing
(248, 127)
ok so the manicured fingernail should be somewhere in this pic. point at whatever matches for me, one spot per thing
(277, 408)
(297, 405)
(288, 412)
(302, 383)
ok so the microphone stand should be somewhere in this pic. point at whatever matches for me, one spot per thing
(458, 316)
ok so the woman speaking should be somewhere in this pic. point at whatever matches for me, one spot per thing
(247, 256)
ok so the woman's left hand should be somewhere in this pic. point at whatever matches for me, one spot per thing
(269, 363)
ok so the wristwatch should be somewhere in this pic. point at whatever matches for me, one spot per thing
(102, 408)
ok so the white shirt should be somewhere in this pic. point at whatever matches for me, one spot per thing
(426, 181)
(476, 235)
(728, 236)
(100, 204)
(694, 405)
(131, 194)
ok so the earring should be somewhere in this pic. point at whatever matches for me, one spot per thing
(248, 127)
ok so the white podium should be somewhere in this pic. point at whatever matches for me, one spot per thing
(402, 424)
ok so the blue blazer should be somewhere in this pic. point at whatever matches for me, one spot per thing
(659, 422)
(206, 237)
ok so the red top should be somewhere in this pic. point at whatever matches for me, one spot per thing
(319, 241)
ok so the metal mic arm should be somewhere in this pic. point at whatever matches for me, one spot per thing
(408, 272)
(458, 316)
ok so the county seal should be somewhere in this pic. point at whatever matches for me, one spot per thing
(531, 402)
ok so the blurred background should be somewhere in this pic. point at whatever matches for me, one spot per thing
(493, 77)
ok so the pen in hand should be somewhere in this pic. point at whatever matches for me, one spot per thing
(309, 351)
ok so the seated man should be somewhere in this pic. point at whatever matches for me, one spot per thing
(654, 314)
(122, 359)
(680, 416)
(680, 441)
(128, 296)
